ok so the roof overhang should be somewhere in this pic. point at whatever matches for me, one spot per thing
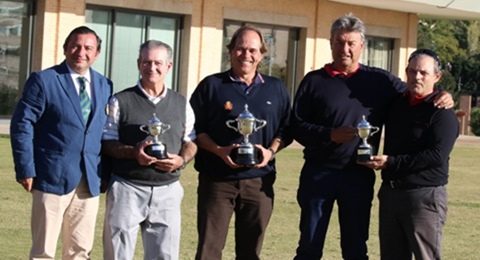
(441, 9)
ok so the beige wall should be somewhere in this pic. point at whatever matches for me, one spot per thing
(203, 23)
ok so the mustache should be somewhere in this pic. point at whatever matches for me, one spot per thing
(415, 82)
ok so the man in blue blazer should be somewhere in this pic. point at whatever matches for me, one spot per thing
(56, 132)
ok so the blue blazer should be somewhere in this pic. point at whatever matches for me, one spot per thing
(50, 141)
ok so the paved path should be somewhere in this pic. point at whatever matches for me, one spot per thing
(4, 126)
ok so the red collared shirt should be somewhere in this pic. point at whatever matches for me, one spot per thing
(333, 72)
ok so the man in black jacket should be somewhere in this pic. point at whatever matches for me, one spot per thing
(418, 140)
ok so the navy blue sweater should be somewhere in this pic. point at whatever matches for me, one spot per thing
(418, 142)
(323, 103)
(217, 99)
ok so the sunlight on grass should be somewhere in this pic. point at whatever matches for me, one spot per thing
(461, 232)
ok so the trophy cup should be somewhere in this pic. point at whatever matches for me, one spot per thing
(156, 128)
(365, 130)
(246, 153)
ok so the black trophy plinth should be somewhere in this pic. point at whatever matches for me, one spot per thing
(245, 155)
(364, 153)
(157, 150)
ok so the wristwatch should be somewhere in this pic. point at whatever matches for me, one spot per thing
(184, 164)
(273, 153)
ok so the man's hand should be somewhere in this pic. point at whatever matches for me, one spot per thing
(143, 158)
(343, 134)
(377, 162)
(267, 155)
(444, 100)
(224, 153)
(170, 164)
(27, 183)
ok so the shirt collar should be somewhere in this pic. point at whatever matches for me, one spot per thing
(151, 98)
(418, 100)
(75, 75)
(333, 72)
(257, 80)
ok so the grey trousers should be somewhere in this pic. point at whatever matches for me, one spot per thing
(411, 222)
(154, 209)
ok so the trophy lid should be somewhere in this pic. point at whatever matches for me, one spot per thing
(154, 120)
(246, 114)
(363, 123)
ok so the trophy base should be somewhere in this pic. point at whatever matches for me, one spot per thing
(364, 154)
(158, 151)
(247, 155)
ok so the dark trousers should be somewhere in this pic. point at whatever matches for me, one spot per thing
(411, 222)
(252, 202)
(319, 188)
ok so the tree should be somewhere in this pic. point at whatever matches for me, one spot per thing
(457, 45)
(475, 121)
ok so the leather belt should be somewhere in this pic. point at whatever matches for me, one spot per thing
(407, 186)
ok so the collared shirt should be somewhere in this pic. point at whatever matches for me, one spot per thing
(417, 99)
(333, 72)
(88, 81)
(111, 127)
(246, 88)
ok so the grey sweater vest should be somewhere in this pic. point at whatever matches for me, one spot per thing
(137, 110)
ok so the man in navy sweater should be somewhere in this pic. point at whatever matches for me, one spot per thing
(329, 103)
(418, 140)
(225, 187)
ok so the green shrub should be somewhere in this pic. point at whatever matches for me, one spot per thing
(475, 121)
(8, 99)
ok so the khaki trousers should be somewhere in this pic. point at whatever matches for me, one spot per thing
(73, 214)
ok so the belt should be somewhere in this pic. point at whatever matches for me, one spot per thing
(407, 186)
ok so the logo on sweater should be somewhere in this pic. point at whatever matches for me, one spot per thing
(228, 105)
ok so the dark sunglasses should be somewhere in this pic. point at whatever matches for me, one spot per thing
(424, 51)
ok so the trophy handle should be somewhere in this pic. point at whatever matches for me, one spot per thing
(374, 130)
(165, 127)
(229, 126)
(262, 123)
(143, 130)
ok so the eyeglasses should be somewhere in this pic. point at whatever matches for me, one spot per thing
(424, 51)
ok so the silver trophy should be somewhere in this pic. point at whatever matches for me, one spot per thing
(246, 153)
(156, 128)
(365, 130)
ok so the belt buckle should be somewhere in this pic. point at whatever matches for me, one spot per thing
(392, 184)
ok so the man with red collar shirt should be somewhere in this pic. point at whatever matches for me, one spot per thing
(328, 105)
(418, 140)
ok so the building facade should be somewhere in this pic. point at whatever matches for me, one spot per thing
(297, 32)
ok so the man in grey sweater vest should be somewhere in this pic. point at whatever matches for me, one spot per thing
(144, 191)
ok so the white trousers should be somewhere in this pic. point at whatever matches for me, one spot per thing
(74, 214)
(154, 209)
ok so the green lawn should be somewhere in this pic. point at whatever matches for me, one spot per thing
(461, 233)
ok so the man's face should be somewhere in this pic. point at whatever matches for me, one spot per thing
(246, 55)
(80, 52)
(421, 76)
(346, 49)
(154, 65)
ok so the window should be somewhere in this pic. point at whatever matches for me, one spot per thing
(122, 32)
(16, 20)
(378, 53)
(280, 61)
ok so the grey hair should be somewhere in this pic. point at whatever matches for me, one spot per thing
(349, 23)
(154, 44)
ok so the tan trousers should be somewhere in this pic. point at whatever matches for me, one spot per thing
(73, 214)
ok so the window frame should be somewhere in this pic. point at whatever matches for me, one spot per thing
(110, 59)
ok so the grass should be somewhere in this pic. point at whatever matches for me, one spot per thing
(461, 232)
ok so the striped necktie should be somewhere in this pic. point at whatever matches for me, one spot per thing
(85, 103)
